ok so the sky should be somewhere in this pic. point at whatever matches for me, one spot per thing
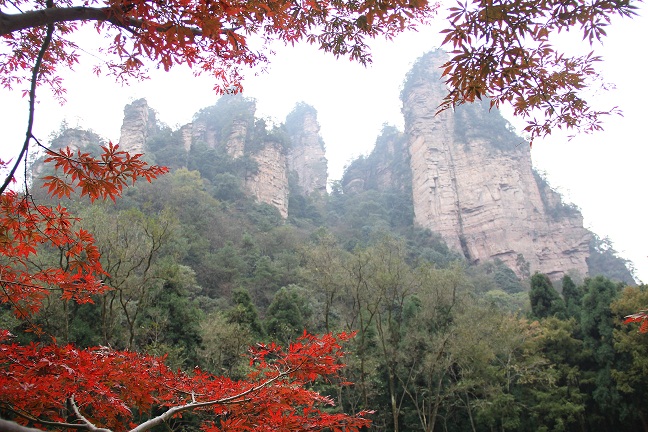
(602, 173)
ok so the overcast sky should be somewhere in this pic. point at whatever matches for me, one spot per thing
(604, 173)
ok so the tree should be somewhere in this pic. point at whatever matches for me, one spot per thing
(597, 325)
(573, 296)
(545, 300)
(285, 318)
(244, 312)
(213, 37)
(45, 384)
(60, 386)
(630, 373)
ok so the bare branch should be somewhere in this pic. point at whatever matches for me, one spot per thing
(32, 102)
(9, 426)
(10, 23)
(87, 423)
(42, 422)
(194, 405)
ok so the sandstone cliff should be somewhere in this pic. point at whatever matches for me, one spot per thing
(472, 182)
(138, 125)
(228, 138)
(307, 156)
(269, 184)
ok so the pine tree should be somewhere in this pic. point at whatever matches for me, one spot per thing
(545, 300)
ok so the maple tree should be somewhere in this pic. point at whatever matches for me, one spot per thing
(101, 389)
(503, 50)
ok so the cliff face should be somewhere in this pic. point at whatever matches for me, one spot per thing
(307, 157)
(138, 125)
(269, 184)
(229, 133)
(473, 183)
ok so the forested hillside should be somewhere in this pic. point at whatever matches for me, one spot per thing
(201, 270)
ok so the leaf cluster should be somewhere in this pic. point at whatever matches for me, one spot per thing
(502, 50)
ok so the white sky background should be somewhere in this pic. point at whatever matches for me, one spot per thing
(603, 173)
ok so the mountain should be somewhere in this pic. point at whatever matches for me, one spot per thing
(471, 180)
(229, 132)
(463, 174)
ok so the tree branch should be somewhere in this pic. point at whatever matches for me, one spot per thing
(87, 423)
(41, 422)
(9, 426)
(10, 23)
(193, 405)
(32, 101)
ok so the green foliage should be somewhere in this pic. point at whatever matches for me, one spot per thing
(597, 325)
(545, 300)
(224, 345)
(573, 297)
(440, 345)
(287, 314)
(173, 320)
(552, 201)
(244, 313)
(386, 169)
(630, 371)
(303, 209)
(264, 216)
(425, 246)
(167, 148)
(216, 165)
(295, 120)
(477, 122)
(228, 109)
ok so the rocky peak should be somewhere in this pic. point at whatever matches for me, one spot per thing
(473, 183)
(139, 123)
(307, 157)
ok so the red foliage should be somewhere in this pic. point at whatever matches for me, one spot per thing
(97, 178)
(105, 388)
(26, 228)
(216, 37)
(65, 387)
(642, 317)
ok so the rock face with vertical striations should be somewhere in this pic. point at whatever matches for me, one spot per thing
(473, 183)
(269, 184)
(138, 125)
(307, 156)
(228, 134)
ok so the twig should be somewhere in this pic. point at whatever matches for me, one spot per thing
(32, 103)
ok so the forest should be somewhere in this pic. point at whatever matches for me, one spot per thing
(200, 272)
